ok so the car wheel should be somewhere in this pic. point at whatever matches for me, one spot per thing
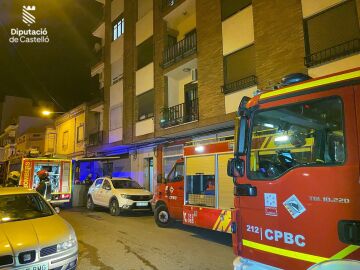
(90, 204)
(162, 216)
(114, 208)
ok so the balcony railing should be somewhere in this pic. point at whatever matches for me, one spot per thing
(168, 4)
(98, 57)
(180, 114)
(240, 84)
(329, 54)
(180, 50)
(95, 139)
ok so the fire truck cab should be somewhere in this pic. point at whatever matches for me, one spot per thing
(296, 176)
(197, 190)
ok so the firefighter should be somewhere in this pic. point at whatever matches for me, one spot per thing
(88, 181)
(13, 179)
(44, 187)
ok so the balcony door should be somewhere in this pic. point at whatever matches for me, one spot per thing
(191, 95)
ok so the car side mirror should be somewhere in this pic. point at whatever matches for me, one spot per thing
(57, 209)
(236, 167)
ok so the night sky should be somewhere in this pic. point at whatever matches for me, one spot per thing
(58, 70)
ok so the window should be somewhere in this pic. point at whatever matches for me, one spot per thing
(334, 32)
(116, 117)
(145, 53)
(230, 7)
(146, 105)
(65, 141)
(239, 66)
(310, 133)
(118, 27)
(80, 133)
(177, 173)
(98, 183)
(51, 142)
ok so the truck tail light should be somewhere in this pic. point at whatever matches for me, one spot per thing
(65, 196)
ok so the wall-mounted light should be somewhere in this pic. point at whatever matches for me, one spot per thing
(199, 148)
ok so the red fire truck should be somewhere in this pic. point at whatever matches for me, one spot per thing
(60, 175)
(197, 190)
(296, 176)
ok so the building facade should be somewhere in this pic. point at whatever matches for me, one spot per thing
(175, 70)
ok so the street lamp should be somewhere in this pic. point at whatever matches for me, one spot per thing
(47, 113)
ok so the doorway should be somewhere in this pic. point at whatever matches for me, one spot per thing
(148, 173)
(191, 95)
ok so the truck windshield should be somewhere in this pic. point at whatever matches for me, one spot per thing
(22, 207)
(125, 184)
(310, 133)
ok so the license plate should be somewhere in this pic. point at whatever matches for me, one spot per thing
(141, 204)
(39, 266)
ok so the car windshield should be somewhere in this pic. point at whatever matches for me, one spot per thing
(125, 184)
(23, 206)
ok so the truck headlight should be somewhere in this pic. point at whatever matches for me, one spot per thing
(72, 242)
(125, 196)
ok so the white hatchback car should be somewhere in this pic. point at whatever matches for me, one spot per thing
(118, 194)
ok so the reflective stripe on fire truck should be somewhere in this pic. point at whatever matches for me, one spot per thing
(311, 84)
(299, 255)
(223, 222)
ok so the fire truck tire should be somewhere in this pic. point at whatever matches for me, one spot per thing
(114, 207)
(90, 204)
(162, 216)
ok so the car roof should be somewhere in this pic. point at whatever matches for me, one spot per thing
(119, 178)
(15, 190)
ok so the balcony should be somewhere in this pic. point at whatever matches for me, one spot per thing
(333, 53)
(239, 84)
(180, 50)
(95, 139)
(180, 114)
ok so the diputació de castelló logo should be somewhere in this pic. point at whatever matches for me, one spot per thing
(29, 35)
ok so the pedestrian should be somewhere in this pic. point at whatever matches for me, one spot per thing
(88, 181)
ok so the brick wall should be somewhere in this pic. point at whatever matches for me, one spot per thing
(279, 39)
(130, 16)
(107, 70)
(159, 36)
(210, 59)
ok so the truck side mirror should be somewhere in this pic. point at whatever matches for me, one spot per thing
(236, 167)
(241, 137)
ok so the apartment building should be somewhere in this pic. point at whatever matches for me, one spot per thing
(176, 70)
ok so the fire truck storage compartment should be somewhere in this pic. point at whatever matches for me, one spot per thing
(55, 170)
(207, 183)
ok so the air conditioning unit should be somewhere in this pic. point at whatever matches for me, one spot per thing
(194, 75)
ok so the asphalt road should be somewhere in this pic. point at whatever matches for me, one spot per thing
(134, 242)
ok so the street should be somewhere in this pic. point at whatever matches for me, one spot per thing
(134, 242)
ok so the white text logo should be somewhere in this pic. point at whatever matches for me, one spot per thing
(27, 17)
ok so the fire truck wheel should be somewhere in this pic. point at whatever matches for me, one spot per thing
(162, 216)
(114, 207)
(90, 204)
